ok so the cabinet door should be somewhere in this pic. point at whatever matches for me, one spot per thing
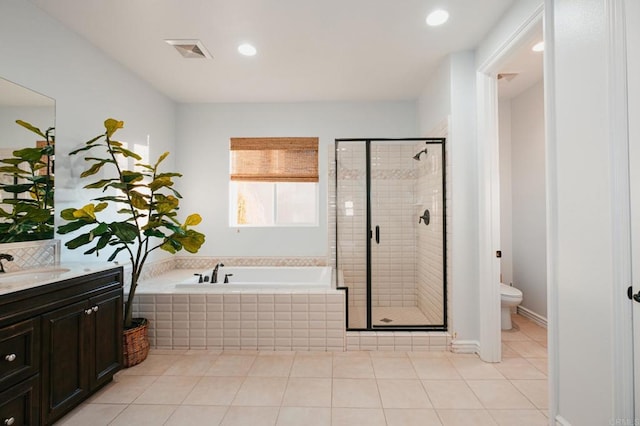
(19, 404)
(64, 364)
(106, 344)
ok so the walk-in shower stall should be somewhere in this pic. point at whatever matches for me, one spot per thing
(390, 232)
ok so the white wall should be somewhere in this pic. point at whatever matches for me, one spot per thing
(529, 198)
(203, 134)
(462, 151)
(450, 96)
(581, 261)
(434, 103)
(39, 53)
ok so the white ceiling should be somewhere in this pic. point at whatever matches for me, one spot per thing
(308, 50)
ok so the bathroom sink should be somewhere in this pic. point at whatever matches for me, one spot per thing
(33, 275)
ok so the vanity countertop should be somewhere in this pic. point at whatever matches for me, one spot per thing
(25, 279)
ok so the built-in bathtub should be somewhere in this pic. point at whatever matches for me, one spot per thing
(286, 278)
(261, 308)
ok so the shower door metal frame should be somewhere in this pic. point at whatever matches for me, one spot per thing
(369, 237)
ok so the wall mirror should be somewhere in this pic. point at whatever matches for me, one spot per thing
(26, 164)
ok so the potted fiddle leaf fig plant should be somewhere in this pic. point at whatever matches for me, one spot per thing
(27, 183)
(147, 204)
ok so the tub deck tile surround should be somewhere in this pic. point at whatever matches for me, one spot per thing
(303, 320)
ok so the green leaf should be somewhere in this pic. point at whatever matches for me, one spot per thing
(125, 231)
(31, 127)
(127, 153)
(72, 226)
(161, 159)
(138, 201)
(92, 170)
(154, 233)
(67, 214)
(29, 154)
(99, 184)
(112, 125)
(17, 189)
(115, 253)
(78, 241)
(172, 246)
(160, 182)
(129, 176)
(192, 241)
(167, 204)
(100, 229)
(85, 148)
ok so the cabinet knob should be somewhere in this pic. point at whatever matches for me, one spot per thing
(88, 311)
(95, 309)
(10, 357)
(9, 421)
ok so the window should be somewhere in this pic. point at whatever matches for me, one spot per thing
(274, 182)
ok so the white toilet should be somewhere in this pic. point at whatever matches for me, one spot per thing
(509, 297)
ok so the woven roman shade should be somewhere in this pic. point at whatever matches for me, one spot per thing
(274, 159)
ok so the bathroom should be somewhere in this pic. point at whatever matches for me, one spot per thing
(101, 88)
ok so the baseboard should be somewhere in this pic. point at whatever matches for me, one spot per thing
(538, 319)
(465, 346)
(560, 421)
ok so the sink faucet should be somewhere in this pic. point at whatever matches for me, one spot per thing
(4, 256)
(214, 274)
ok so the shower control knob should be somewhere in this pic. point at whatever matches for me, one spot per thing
(636, 297)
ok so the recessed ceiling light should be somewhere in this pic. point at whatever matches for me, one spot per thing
(247, 49)
(190, 48)
(437, 17)
(538, 47)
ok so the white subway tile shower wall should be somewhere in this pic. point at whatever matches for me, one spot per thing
(393, 265)
(430, 238)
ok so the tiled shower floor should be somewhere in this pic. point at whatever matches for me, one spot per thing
(329, 388)
(380, 316)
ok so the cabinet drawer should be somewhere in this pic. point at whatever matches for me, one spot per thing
(19, 350)
(19, 405)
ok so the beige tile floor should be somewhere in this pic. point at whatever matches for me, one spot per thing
(318, 388)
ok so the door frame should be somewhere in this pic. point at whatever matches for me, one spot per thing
(489, 188)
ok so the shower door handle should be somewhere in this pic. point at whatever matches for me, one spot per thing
(377, 234)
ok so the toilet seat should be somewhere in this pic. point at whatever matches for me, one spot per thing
(509, 292)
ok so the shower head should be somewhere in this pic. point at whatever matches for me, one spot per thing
(417, 156)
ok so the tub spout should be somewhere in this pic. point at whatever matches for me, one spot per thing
(214, 274)
(4, 256)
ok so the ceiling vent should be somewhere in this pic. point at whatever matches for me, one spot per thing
(507, 76)
(190, 48)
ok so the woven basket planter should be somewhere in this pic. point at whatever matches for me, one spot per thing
(135, 343)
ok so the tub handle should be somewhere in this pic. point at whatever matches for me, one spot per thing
(199, 278)
(226, 278)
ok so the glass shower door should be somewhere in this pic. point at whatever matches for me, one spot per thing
(390, 232)
(351, 225)
(394, 284)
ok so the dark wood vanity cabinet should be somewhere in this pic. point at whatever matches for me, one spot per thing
(67, 343)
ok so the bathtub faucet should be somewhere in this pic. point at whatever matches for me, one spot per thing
(214, 274)
(4, 256)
